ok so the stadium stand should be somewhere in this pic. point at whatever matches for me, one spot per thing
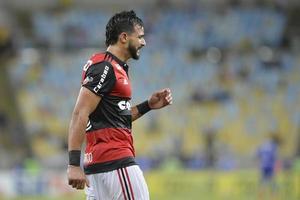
(233, 67)
(227, 71)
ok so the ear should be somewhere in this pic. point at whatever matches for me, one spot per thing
(123, 37)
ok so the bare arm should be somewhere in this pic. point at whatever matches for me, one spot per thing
(157, 100)
(135, 113)
(85, 105)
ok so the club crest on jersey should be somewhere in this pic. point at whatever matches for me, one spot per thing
(118, 67)
(87, 79)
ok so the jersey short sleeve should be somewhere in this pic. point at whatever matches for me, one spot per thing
(100, 78)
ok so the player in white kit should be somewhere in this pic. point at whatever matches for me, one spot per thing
(103, 116)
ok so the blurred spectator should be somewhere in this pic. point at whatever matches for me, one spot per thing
(218, 96)
(6, 35)
(210, 147)
(3, 120)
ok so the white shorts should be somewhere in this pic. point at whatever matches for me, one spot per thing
(122, 184)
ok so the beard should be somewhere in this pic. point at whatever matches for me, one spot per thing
(133, 51)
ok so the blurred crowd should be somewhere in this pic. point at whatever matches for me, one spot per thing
(234, 75)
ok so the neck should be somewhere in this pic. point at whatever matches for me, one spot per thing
(118, 52)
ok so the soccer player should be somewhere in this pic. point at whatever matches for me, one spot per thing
(267, 155)
(103, 115)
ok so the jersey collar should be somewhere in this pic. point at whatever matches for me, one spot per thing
(120, 62)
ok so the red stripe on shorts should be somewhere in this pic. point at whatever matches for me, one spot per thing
(123, 191)
(129, 183)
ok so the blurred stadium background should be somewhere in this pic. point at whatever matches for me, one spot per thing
(233, 66)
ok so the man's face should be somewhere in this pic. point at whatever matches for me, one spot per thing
(136, 42)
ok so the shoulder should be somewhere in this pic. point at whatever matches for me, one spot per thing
(100, 67)
(94, 59)
(97, 57)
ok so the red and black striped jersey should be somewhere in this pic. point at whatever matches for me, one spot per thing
(108, 133)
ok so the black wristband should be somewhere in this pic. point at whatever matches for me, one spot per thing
(74, 157)
(143, 107)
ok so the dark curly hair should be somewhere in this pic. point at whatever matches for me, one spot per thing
(121, 22)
